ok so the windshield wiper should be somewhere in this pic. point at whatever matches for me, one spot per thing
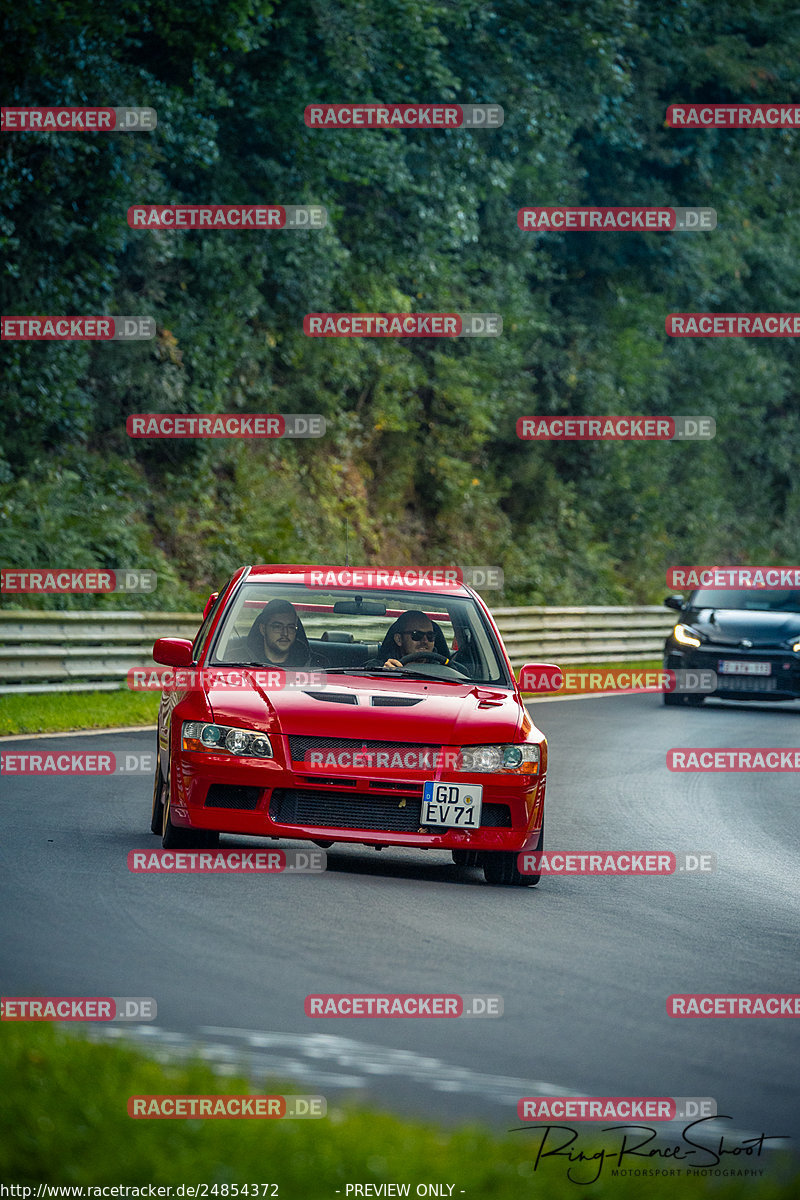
(355, 669)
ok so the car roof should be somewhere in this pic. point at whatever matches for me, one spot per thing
(370, 578)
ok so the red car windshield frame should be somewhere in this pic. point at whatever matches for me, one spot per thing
(437, 607)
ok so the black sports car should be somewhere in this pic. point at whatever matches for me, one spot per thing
(750, 639)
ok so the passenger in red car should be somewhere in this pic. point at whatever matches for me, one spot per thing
(278, 639)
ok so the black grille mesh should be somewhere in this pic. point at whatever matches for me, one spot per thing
(357, 810)
(747, 683)
(300, 745)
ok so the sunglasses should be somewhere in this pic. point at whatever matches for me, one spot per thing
(417, 635)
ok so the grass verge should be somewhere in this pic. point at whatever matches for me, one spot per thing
(63, 1109)
(55, 712)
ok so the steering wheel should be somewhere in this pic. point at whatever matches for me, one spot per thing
(432, 657)
(425, 656)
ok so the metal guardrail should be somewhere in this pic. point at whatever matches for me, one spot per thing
(93, 651)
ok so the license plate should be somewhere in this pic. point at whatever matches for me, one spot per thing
(456, 804)
(728, 666)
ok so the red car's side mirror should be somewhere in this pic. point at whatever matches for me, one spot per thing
(540, 677)
(173, 652)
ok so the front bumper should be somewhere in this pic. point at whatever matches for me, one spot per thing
(782, 683)
(268, 798)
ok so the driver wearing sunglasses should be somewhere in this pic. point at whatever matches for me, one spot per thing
(414, 633)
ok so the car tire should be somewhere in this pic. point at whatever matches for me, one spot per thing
(500, 866)
(464, 859)
(671, 700)
(175, 837)
(157, 814)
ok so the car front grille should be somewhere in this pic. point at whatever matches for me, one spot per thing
(747, 683)
(359, 810)
(301, 745)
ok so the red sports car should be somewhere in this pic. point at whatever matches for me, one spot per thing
(343, 704)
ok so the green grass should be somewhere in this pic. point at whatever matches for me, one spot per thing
(54, 712)
(64, 1115)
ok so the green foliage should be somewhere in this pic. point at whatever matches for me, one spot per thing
(421, 456)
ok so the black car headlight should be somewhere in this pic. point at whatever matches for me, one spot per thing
(684, 635)
(225, 739)
(520, 759)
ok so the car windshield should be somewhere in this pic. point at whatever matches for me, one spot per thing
(350, 630)
(763, 600)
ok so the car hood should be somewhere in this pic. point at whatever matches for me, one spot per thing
(730, 626)
(408, 711)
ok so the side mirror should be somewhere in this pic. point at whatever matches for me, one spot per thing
(173, 652)
(676, 602)
(540, 677)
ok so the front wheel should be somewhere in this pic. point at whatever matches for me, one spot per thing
(500, 866)
(157, 814)
(175, 837)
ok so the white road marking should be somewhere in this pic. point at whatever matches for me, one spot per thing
(327, 1060)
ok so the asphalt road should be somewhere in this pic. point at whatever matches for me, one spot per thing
(584, 965)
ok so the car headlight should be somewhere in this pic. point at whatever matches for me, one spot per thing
(520, 759)
(225, 739)
(796, 647)
(685, 635)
